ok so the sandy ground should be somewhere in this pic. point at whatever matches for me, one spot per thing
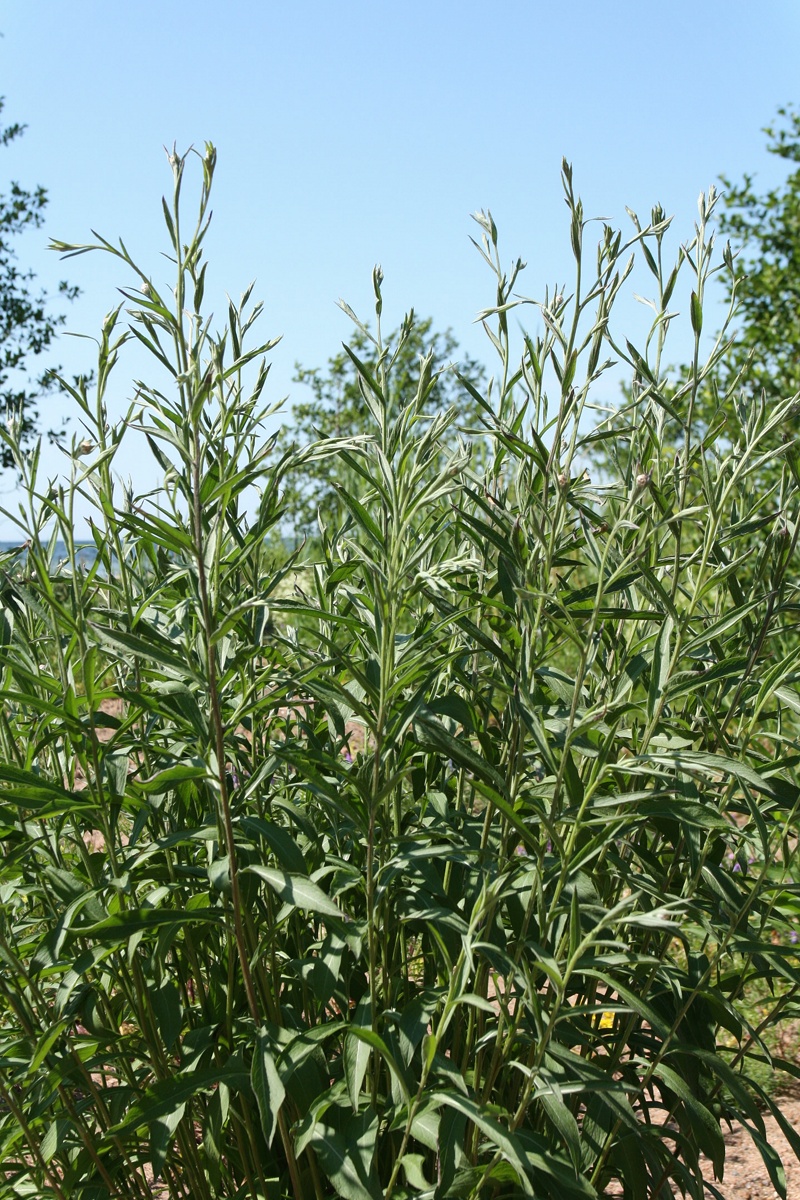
(746, 1176)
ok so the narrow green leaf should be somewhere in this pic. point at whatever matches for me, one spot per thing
(162, 1136)
(704, 1124)
(54, 1138)
(712, 765)
(413, 1167)
(356, 1052)
(297, 890)
(123, 925)
(166, 1002)
(659, 671)
(771, 1160)
(574, 923)
(46, 1042)
(163, 780)
(499, 1135)
(164, 1098)
(266, 1084)
(564, 1122)
(149, 646)
(280, 841)
(368, 1036)
(346, 1151)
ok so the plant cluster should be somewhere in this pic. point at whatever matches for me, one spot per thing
(336, 409)
(416, 878)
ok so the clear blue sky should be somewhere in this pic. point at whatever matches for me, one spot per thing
(350, 133)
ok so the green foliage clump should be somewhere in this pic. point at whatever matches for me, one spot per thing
(336, 409)
(446, 872)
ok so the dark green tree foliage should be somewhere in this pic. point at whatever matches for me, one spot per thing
(763, 357)
(27, 328)
(337, 409)
(766, 229)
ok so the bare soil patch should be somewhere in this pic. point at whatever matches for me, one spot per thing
(746, 1176)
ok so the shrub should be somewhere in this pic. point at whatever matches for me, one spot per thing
(446, 871)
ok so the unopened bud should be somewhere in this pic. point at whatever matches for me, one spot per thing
(642, 481)
(86, 446)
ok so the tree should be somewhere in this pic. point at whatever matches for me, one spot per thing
(763, 358)
(337, 409)
(765, 228)
(27, 328)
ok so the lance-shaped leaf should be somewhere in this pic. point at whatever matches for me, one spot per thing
(266, 1083)
(297, 890)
